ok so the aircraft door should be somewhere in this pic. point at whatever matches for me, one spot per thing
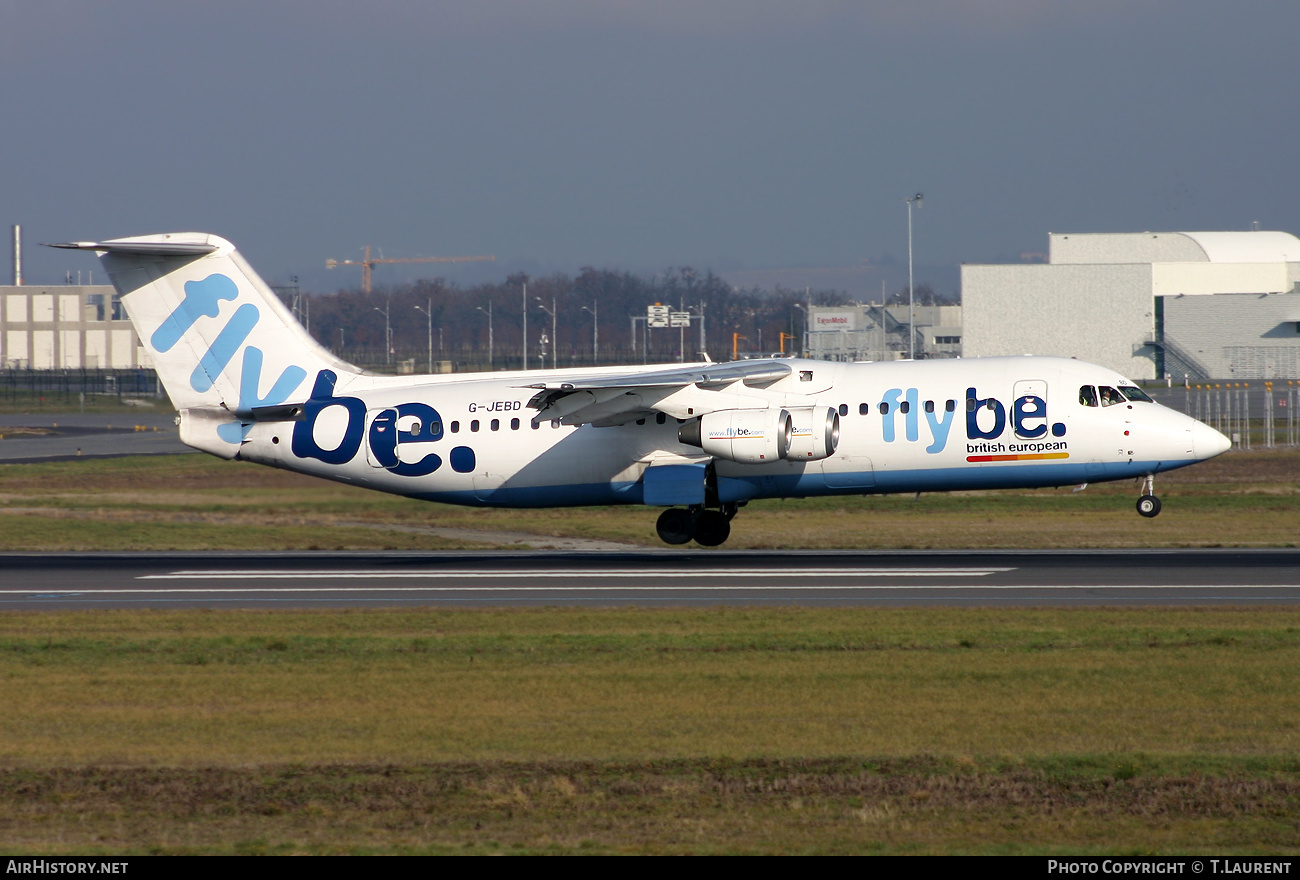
(412, 427)
(848, 472)
(1029, 409)
(381, 438)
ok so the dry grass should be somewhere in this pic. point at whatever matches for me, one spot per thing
(662, 807)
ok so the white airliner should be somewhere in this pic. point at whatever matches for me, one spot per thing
(698, 439)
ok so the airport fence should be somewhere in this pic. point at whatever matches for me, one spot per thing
(73, 388)
(1249, 413)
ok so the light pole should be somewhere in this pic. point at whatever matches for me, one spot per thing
(807, 329)
(488, 312)
(645, 348)
(595, 329)
(911, 306)
(525, 308)
(429, 314)
(689, 275)
(388, 335)
(555, 339)
(703, 347)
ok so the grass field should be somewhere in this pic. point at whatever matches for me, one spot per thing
(715, 730)
(724, 730)
(1243, 499)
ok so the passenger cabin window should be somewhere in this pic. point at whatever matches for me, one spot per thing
(1134, 393)
(1109, 396)
(905, 407)
(864, 409)
(884, 409)
(1087, 395)
(929, 406)
(455, 427)
(514, 424)
(950, 406)
(844, 409)
(473, 426)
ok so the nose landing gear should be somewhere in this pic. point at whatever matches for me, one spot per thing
(1148, 504)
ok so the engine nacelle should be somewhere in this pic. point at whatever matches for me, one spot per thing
(816, 433)
(747, 436)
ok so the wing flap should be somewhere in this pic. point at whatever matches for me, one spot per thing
(680, 392)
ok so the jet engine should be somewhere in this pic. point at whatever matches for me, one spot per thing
(747, 436)
(816, 433)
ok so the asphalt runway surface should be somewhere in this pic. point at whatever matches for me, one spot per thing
(66, 436)
(649, 579)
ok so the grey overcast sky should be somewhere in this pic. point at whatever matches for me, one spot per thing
(724, 134)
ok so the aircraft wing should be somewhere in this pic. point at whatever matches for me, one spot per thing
(681, 393)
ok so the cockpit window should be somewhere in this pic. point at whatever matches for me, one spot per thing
(1087, 395)
(1135, 393)
(1109, 396)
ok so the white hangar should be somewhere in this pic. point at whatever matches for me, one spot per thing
(1222, 305)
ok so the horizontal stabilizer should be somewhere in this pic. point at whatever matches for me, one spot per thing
(172, 245)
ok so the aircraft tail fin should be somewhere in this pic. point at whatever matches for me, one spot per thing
(220, 339)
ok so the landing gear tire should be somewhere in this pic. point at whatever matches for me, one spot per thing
(712, 528)
(1148, 505)
(675, 526)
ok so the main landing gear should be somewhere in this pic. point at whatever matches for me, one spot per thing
(1148, 504)
(708, 528)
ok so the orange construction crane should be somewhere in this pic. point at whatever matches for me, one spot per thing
(368, 263)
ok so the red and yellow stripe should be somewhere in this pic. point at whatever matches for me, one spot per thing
(1023, 456)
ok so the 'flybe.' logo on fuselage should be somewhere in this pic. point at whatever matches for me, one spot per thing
(420, 423)
(384, 438)
(1034, 435)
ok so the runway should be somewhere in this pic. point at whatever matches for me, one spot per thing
(27, 438)
(651, 579)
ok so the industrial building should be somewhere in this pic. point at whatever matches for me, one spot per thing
(66, 327)
(880, 333)
(1194, 305)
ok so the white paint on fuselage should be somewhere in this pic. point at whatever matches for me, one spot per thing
(581, 465)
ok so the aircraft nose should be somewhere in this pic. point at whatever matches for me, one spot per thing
(1207, 442)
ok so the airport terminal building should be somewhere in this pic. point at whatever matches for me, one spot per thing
(1200, 305)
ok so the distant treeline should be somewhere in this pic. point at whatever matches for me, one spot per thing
(352, 323)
